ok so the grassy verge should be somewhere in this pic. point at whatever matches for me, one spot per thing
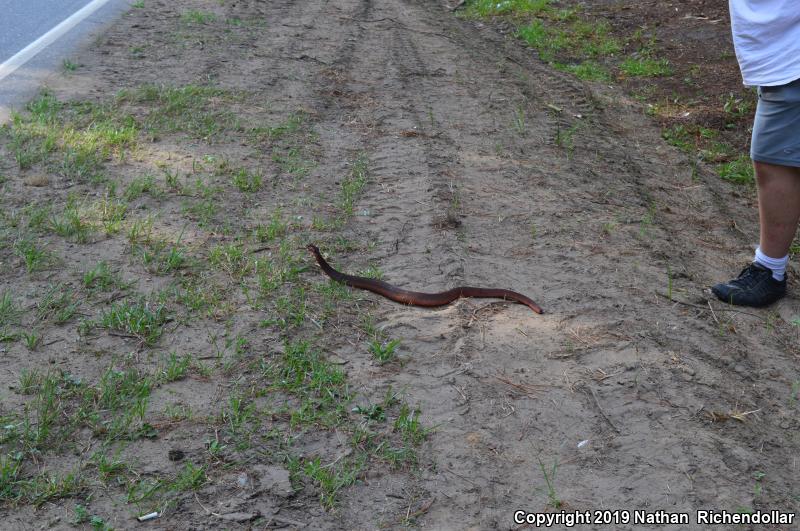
(593, 49)
(221, 267)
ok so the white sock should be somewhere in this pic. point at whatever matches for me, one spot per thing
(777, 265)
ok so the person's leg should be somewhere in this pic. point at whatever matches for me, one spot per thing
(775, 150)
(763, 282)
(778, 207)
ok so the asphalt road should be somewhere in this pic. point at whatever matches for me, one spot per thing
(22, 22)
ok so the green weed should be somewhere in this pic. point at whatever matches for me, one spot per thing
(383, 351)
(140, 320)
(58, 303)
(194, 16)
(36, 258)
(485, 8)
(738, 171)
(645, 66)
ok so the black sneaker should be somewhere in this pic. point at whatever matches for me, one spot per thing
(753, 287)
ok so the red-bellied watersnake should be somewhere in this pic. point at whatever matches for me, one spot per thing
(417, 298)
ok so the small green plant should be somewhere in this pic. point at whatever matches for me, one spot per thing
(645, 66)
(230, 258)
(519, 120)
(383, 352)
(9, 311)
(736, 107)
(175, 368)
(31, 339)
(69, 66)
(738, 171)
(101, 278)
(277, 227)
(246, 181)
(138, 4)
(485, 8)
(332, 478)
(192, 477)
(194, 16)
(758, 489)
(58, 303)
(353, 184)
(589, 71)
(141, 320)
(549, 478)
(35, 257)
(145, 184)
(409, 425)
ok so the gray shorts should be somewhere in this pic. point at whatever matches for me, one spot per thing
(776, 129)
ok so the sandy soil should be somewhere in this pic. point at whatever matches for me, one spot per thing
(486, 168)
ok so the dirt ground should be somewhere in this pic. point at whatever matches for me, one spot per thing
(635, 390)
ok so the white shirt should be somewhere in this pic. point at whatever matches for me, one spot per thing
(766, 36)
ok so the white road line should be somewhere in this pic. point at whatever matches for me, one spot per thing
(30, 51)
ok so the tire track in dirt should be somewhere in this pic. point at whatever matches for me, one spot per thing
(608, 327)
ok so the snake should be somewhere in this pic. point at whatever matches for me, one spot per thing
(417, 298)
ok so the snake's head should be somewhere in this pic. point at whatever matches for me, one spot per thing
(313, 249)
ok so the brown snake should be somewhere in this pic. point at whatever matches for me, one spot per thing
(417, 298)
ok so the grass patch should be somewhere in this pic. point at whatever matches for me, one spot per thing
(73, 139)
(353, 184)
(140, 320)
(645, 67)
(35, 257)
(193, 16)
(58, 304)
(488, 8)
(197, 110)
(738, 171)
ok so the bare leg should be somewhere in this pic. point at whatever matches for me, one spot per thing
(778, 206)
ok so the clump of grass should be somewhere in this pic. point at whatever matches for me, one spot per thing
(645, 66)
(231, 258)
(191, 109)
(58, 303)
(160, 257)
(589, 71)
(193, 16)
(144, 184)
(9, 310)
(320, 385)
(192, 477)
(71, 223)
(332, 478)
(383, 351)
(175, 367)
(101, 278)
(247, 181)
(739, 170)
(276, 228)
(486, 8)
(141, 320)
(84, 134)
(34, 256)
(353, 185)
